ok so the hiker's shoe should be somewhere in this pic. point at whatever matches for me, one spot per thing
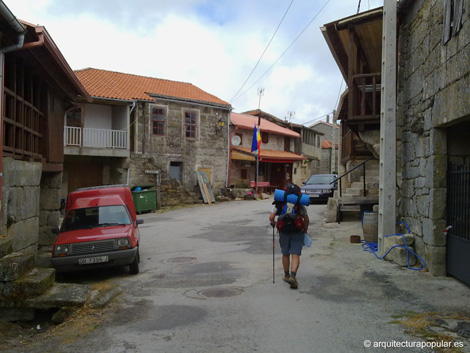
(293, 282)
(286, 278)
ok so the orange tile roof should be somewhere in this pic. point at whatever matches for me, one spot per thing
(327, 144)
(244, 121)
(117, 85)
(271, 155)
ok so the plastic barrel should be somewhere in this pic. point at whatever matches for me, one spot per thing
(370, 227)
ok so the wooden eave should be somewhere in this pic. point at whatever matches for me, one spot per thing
(42, 48)
(367, 30)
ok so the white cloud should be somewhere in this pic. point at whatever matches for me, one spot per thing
(211, 44)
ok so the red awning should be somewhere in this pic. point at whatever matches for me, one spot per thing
(270, 156)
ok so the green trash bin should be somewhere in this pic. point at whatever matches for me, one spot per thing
(145, 198)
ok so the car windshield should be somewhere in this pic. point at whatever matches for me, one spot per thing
(320, 179)
(92, 217)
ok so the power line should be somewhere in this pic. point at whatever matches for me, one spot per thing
(251, 73)
(285, 51)
(310, 122)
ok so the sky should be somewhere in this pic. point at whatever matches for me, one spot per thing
(232, 49)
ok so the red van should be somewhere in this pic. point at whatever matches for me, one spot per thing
(100, 229)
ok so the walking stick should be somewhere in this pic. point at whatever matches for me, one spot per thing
(273, 255)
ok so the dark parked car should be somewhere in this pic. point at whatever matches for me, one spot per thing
(320, 186)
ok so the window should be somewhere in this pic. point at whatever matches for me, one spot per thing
(264, 137)
(176, 170)
(190, 119)
(74, 118)
(158, 121)
(94, 217)
(286, 144)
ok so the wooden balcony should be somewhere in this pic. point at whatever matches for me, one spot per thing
(364, 102)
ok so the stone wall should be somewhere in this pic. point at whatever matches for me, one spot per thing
(208, 151)
(433, 86)
(325, 163)
(49, 204)
(20, 204)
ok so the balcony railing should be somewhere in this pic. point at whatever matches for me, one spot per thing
(364, 97)
(97, 138)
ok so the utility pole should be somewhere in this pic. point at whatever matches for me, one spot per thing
(333, 144)
(388, 126)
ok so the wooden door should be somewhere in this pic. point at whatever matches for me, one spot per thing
(84, 174)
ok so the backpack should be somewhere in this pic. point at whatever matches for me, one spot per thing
(290, 220)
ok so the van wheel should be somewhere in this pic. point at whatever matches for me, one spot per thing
(134, 266)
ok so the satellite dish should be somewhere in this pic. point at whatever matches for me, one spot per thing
(236, 140)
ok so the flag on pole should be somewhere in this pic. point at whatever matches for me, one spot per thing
(256, 142)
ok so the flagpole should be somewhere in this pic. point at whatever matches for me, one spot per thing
(260, 92)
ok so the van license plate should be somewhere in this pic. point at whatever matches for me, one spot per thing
(92, 260)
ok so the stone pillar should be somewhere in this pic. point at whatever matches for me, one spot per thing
(49, 204)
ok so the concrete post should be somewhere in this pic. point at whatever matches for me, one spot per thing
(333, 144)
(388, 126)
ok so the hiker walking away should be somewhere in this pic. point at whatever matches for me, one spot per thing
(292, 223)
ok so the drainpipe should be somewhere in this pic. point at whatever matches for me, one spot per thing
(14, 24)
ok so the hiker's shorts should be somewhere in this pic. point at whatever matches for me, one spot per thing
(291, 243)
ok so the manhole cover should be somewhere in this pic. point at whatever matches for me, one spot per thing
(220, 292)
(181, 260)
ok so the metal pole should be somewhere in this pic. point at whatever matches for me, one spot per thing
(274, 246)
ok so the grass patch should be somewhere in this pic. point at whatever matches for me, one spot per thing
(421, 325)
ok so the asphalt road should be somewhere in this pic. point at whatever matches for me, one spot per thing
(206, 285)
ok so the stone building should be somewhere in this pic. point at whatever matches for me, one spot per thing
(329, 162)
(329, 158)
(433, 116)
(308, 146)
(140, 130)
(278, 163)
(38, 87)
(433, 149)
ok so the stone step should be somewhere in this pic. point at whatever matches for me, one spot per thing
(370, 178)
(358, 200)
(373, 172)
(350, 208)
(369, 185)
(353, 192)
(15, 265)
(44, 257)
(61, 295)
(6, 247)
(372, 166)
(33, 284)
